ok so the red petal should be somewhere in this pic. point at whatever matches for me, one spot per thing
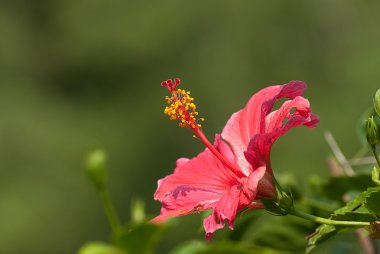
(277, 124)
(302, 108)
(186, 200)
(237, 198)
(224, 210)
(246, 123)
(194, 184)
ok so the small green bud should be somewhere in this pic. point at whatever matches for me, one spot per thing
(376, 176)
(376, 102)
(138, 211)
(96, 168)
(285, 201)
(372, 134)
(282, 204)
(99, 248)
(279, 206)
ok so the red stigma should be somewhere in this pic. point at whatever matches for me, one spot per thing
(170, 85)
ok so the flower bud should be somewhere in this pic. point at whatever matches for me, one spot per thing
(138, 211)
(285, 201)
(280, 205)
(376, 176)
(96, 168)
(372, 134)
(376, 102)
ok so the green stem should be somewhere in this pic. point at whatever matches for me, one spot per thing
(376, 155)
(110, 211)
(320, 220)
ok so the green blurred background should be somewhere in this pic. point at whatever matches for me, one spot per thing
(79, 74)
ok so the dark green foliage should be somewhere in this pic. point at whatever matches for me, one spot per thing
(278, 233)
(365, 207)
(373, 202)
(335, 187)
(142, 239)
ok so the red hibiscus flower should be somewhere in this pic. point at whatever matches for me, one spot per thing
(235, 172)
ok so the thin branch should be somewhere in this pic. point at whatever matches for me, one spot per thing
(338, 154)
(334, 166)
(362, 161)
(365, 242)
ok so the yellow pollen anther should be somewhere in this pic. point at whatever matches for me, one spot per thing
(181, 107)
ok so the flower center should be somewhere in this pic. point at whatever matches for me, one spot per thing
(181, 107)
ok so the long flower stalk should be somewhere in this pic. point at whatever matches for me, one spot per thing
(109, 210)
(321, 220)
(376, 155)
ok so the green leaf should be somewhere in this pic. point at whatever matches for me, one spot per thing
(323, 233)
(363, 208)
(373, 202)
(142, 239)
(100, 248)
(358, 202)
(354, 216)
(280, 233)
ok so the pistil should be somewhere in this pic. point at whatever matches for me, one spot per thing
(217, 154)
(181, 107)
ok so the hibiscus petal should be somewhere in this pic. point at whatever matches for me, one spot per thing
(186, 200)
(237, 198)
(276, 118)
(194, 184)
(249, 121)
(181, 161)
(255, 180)
(224, 210)
(225, 149)
(277, 124)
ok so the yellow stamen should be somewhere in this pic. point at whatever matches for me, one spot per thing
(181, 107)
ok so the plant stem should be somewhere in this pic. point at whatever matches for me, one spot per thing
(339, 154)
(320, 220)
(376, 155)
(110, 211)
